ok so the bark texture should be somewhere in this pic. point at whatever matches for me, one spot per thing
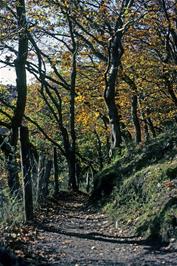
(26, 173)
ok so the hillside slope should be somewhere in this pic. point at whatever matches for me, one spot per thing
(140, 188)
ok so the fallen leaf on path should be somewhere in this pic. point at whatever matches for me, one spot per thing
(67, 242)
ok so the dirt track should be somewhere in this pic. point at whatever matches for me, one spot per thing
(68, 234)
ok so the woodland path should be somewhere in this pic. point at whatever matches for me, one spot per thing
(66, 233)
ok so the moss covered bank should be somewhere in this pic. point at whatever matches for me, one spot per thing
(139, 188)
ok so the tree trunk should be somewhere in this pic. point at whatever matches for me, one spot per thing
(56, 171)
(126, 135)
(114, 121)
(26, 173)
(145, 122)
(48, 168)
(72, 155)
(150, 123)
(20, 63)
(135, 119)
(72, 184)
(151, 126)
(99, 149)
(40, 178)
(115, 54)
(78, 173)
(88, 182)
(21, 86)
(146, 130)
(171, 92)
(34, 160)
(44, 170)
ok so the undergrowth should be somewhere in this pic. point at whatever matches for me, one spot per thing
(11, 211)
(144, 185)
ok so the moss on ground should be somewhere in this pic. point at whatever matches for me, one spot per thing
(142, 187)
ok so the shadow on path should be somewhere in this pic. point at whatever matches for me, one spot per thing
(99, 237)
